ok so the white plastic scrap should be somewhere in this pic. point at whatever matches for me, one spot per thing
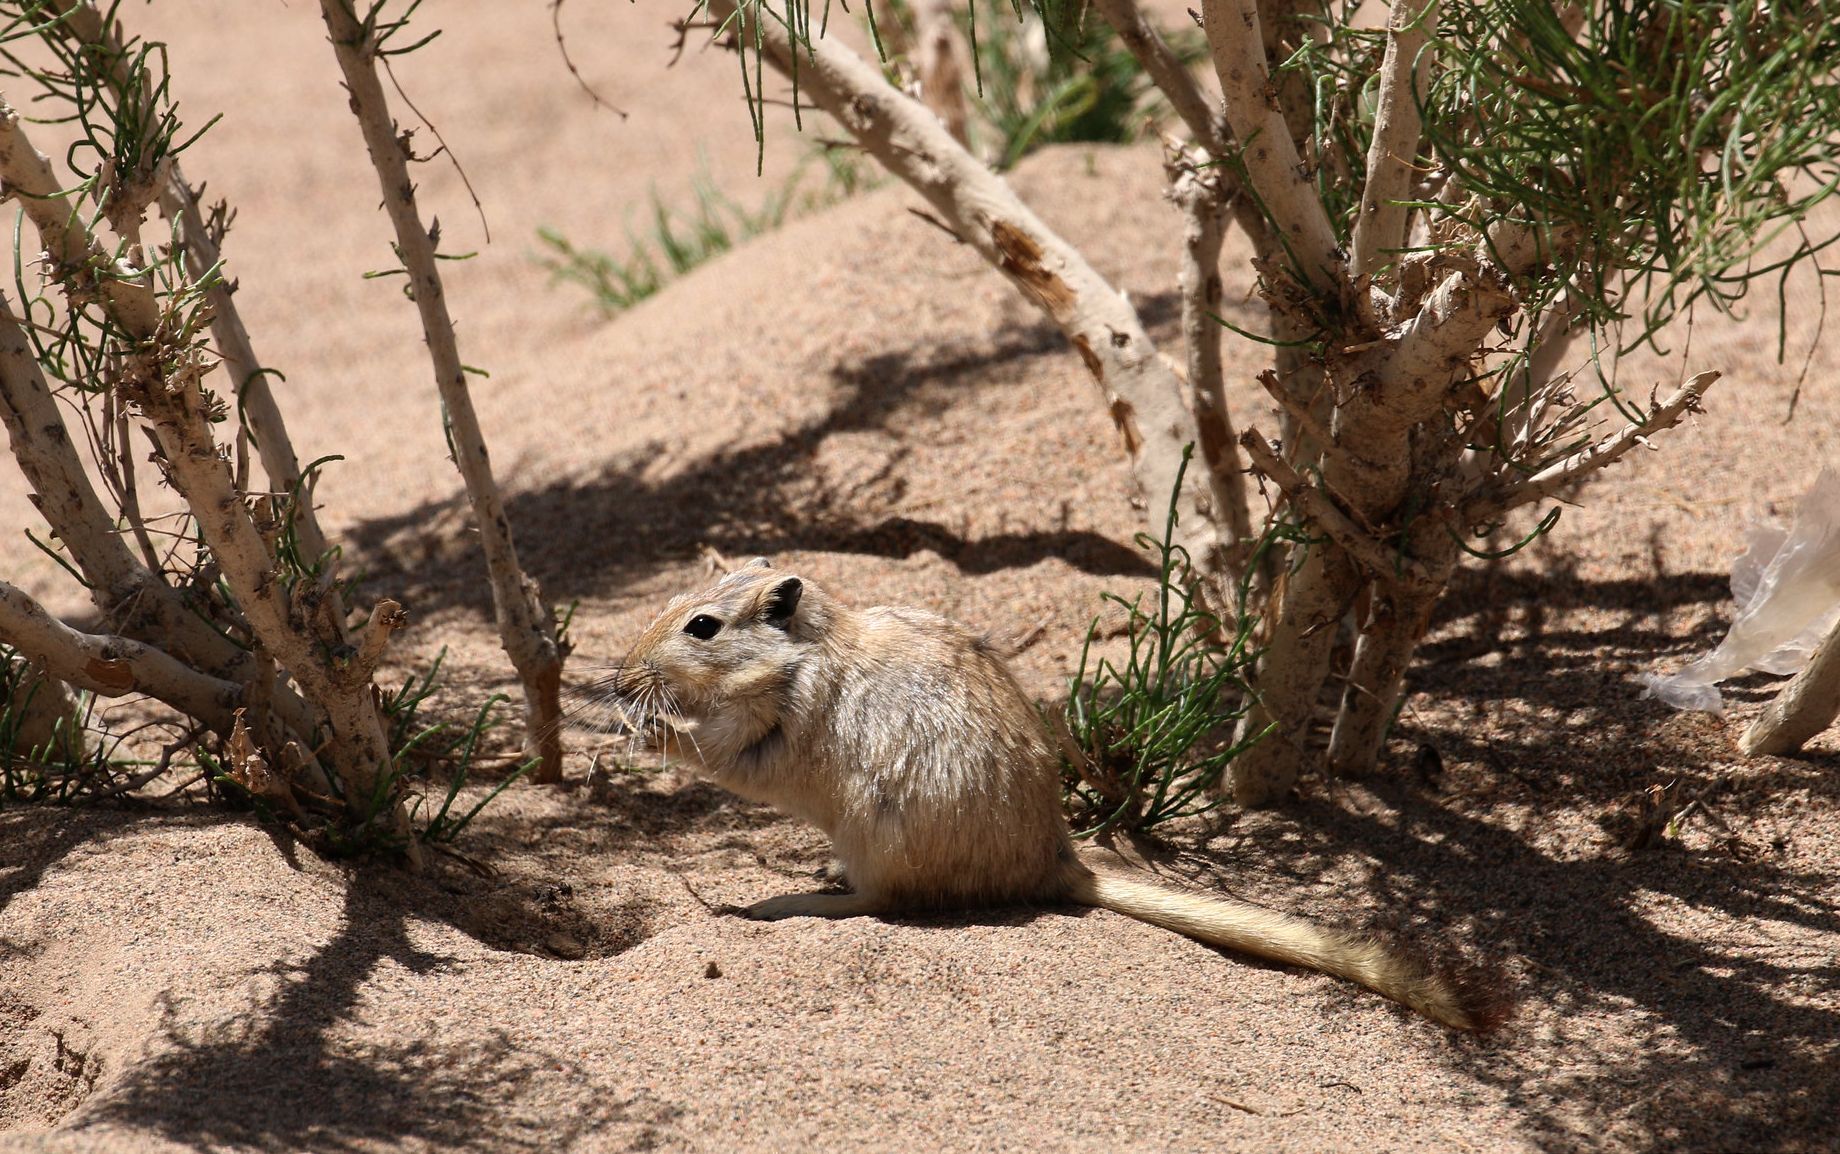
(1787, 587)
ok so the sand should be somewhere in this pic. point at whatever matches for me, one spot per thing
(862, 400)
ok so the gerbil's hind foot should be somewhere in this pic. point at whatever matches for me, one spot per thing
(813, 906)
(832, 872)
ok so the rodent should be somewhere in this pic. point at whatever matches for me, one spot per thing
(905, 737)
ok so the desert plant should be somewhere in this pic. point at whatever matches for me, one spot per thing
(364, 42)
(1437, 208)
(425, 750)
(1057, 76)
(681, 241)
(230, 609)
(1147, 739)
(45, 753)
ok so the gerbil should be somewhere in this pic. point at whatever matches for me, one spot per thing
(907, 740)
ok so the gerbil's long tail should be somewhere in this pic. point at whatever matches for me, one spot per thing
(1282, 938)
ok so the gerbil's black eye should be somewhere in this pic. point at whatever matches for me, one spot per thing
(703, 627)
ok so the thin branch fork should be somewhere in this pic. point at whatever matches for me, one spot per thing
(125, 590)
(61, 487)
(28, 178)
(130, 596)
(1144, 396)
(162, 375)
(257, 399)
(1199, 110)
(1557, 476)
(526, 628)
(1206, 123)
(174, 405)
(1315, 506)
(83, 22)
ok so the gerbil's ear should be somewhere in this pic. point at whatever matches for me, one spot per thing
(782, 602)
(759, 563)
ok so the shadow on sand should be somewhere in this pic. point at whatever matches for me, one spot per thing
(754, 500)
(1736, 1049)
(280, 1077)
(1736, 1046)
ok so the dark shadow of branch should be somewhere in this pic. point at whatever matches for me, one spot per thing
(296, 1072)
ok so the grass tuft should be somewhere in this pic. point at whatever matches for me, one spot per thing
(1146, 740)
(418, 750)
(675, 242)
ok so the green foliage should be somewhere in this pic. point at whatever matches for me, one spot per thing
(1655, 152)
(122, 140)
(1057, 75)
(1148, 739)
(62, 755)
(674, 242)
(416, 746)
(1668, 139)
(418, 750)
(1047, 72)
(79, 760)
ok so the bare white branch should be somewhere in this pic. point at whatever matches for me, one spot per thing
(1199, 111)
(1264, 146)
(1144, 397)
(111, 666)
(525, 626)
(1393, 153)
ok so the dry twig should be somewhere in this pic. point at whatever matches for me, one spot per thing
(526, 627)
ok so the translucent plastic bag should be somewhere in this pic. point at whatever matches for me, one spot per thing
(1787, 588)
